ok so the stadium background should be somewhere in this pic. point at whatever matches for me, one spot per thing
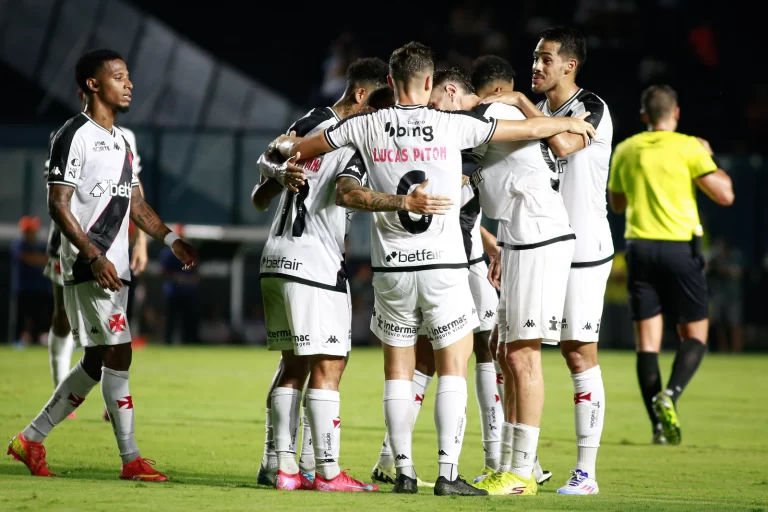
(212, 85)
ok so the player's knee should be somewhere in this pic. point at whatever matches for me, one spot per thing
(579, 357)
(60, 323)
(295, 371)
(118, 357)
(326, 372)
(482, 348)
(520, 359)
(92, 362)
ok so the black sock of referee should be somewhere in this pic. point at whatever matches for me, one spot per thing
(649, 377)
(687, 361)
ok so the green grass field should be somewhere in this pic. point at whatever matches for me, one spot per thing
(200, 414)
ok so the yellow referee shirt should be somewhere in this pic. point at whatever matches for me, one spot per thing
(655, 170)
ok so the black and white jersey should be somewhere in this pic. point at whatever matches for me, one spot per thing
(517, 187)
(402, 147)
(470, 213)
(306, 241)
(54, 234)
(583, 179)
(99, 165)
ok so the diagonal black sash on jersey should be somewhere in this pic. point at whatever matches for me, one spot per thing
(104, 231)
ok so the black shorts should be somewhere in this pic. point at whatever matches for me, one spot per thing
(666, 277)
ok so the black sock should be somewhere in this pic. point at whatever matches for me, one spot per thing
(648, 375)
(686, 363)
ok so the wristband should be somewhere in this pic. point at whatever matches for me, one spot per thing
(95, 258)
(170, 238)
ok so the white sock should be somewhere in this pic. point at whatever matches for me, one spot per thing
(398, 414)
(286, 406)
(117, 398)
(491, 415)
(524, 449)
(420, 385)
(269, 459)
(67, 397)
(499, 382)
(323, 408)
(450, 420)
(60, 355)
(589, 413)
(507, 445)
(307, 457)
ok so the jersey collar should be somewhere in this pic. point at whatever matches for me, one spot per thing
(112, 133)
(565, 105)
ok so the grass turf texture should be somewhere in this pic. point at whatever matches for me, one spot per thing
(200, 414)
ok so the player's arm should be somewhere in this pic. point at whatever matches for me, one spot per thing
(351, 194)
(542, 128)
(139, 259)
(489, 243)
(149, 222)
(616, 197)
(264, 192)
(716, 184)
(346, 132)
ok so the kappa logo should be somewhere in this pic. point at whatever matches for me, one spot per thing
(442, 453)
(553, 324)
(56, 171)
(94, 330)
(530, 323)
(75, 332)
(489, 313)
(588, 326)
(333, 339)
(401, 456)
(110, 188)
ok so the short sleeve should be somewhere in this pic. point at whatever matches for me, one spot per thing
(354, 168)
(471, 129)
(699, 161)
(66, 159)
(351, 130)
(614, 179)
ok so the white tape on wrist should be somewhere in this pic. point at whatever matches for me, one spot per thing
(170, 238)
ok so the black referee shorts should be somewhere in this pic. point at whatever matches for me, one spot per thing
(666, 277)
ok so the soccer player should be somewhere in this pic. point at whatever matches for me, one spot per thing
(92, 189)
(651, 176)
(303, 266)
(420, 266)
(583, 174)
(510, 183)
(60, 340)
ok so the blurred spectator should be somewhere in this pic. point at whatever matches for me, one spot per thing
(181, 289)
(254, 330)
(725, 273)
(32, 290)
(215, 328)
(343, 52)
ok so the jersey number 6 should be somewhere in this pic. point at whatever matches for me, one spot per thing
(406, 182)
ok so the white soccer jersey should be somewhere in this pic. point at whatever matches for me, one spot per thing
(54, 234)
(306, 241)
(517, 187)
(584, 175)
(471, 214)
(402, 147)
(99, 165)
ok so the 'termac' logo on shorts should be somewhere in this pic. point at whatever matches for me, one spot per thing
(279, 263)
(395, 331)
(443, 331)
(287, 334)
(414, 257)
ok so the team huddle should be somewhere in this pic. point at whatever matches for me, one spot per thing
(428, 152)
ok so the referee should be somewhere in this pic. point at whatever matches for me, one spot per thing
(651, 175)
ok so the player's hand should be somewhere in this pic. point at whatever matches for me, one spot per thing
(106, 274)
(185, 253)
(508, 98)
(291, 176)
(422, 203)
(464, 180)
(139, 259)
(580, 127)
(494, 272)
(706, 145)
(284, 144)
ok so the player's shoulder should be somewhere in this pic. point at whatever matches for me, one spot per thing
(313, 119)
(594, 104)
(500, 111)
(457, 114)
(73, 127)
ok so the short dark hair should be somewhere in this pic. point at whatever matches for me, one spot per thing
(410, 60)
(489, 69)
(383, 97)
(370, 71)
(657, 102)
(454, 75)
(572, 43)
(90, 63)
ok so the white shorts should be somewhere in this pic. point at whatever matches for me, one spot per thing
(484, 295)
(96, 315)
(53, 271)
(306, 319)
(533, 290)
(583, 308)
(437, 299)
